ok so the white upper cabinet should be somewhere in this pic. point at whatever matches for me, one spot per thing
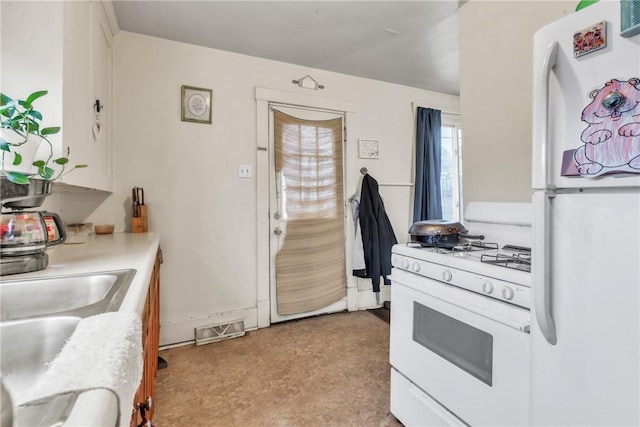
(65, 48)
(101, 86)
(87, 82)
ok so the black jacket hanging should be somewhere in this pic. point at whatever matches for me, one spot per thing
(377, 234)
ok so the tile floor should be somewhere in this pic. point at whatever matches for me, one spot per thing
(331, 370)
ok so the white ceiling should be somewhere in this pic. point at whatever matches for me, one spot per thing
(413, 43)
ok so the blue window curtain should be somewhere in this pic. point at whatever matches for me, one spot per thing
(427, 199)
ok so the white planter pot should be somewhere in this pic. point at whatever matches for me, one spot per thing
(26, 149)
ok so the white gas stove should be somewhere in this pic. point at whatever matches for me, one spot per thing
(460, 322)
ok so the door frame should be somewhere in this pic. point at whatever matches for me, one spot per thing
(263, 98)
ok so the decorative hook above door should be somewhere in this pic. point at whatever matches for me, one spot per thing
(308, 82)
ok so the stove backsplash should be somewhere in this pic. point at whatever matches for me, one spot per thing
(503, 223)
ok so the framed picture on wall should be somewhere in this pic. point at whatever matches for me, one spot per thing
(369, 149)
(196, 104)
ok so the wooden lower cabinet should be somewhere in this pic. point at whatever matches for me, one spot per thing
(144, 402)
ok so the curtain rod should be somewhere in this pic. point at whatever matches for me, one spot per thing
(275, 105)
(395, 184)
(364, 171)
(413, 109)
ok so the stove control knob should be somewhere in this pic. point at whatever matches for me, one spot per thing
(405, 264)
(507, 293)
(447, 276)
(487, 287)
(416, 267)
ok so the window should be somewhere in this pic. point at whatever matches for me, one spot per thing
(309, 160)
(468, 348)
(450, 168)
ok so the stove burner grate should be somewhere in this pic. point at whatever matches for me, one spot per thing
(468, 246)
(517, 261)
(475, 245)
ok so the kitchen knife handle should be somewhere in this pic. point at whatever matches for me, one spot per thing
(541, 270)
(134, 198)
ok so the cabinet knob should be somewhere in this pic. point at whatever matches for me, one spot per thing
(143, 407)
(146, 405)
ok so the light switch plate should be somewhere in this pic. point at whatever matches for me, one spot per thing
(244, 171)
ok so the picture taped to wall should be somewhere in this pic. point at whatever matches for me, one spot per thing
(196, 104)
(369, 149)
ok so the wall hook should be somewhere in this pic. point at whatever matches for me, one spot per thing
(97, 126)
(308, 82)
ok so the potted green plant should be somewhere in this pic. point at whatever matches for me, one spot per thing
(22, 134)
(26, 181)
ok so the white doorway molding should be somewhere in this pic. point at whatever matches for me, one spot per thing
(264, 97)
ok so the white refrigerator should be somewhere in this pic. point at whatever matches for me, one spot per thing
(585, 334)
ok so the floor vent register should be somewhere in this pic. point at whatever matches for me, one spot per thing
(214, 333)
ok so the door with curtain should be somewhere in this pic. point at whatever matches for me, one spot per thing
(307, 213)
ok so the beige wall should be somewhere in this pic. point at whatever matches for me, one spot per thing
(205, 214)
(495, 94)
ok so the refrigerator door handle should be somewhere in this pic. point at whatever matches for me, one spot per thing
(541, 116)
(541, 270)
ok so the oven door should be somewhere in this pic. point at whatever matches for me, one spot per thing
(466, 351)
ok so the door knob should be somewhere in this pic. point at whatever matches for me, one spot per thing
(277, 231)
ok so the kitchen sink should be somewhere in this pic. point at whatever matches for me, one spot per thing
(79, 295)
(39, 315)
(28, 346)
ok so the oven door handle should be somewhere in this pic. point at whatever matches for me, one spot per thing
(504, 313)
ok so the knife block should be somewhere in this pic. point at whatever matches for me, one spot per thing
(139, 223)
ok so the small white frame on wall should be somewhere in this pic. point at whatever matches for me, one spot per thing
(368, 148)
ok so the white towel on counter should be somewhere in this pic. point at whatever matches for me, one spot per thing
(104, 351)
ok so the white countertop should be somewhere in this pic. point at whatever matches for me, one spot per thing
(118, 251)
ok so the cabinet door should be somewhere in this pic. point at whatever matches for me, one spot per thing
(150, 340)
(77, 72)
(75, 139)
(42, 65)
(101, 81)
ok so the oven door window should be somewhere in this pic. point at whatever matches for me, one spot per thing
(467, 347)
